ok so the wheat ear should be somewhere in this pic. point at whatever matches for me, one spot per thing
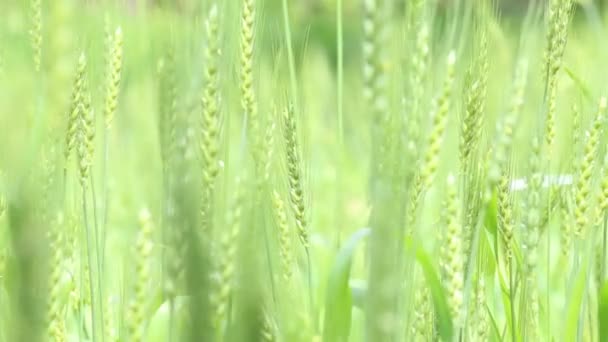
(210, 120)
(137, 305)
(452, 253)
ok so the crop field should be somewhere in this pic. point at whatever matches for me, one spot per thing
(310, 170)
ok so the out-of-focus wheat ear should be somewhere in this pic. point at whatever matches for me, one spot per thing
(505, 217)
(375, 32)
(418, 27)
(602, 195)
(55, 308)
(373, 37)
(84, 129)
(248, 96)
(576, 130)
(471, 128)
(36, 32)
(475, 102)
(600, 224)
(296, 188)
(530, 234)
(285, 247)
(533, 202)
(422, 325)
(210, 117)
(505, 129)
(135, 322)
(110, 325)
(294, 174)
(86, 137)
(440, 119)
(167, 107)
(575, 145)
(48, 180)
(210, 123)
(452, 254)
(224, 274)
(114, 76)
(269, 328)
(74, 110)
(586, 171)
(430, 162)
(559, 15)
(481, 324)
(268, 151)
(598, 266)
(565, 225)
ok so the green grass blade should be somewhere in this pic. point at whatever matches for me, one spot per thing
(495, 330)
(338, 305)
(442, 312)
(580, 83)
(575, 303)
(603, 313)
(491, 222)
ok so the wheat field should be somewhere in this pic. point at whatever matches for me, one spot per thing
(331, 170)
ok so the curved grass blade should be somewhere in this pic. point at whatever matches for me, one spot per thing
(338, 306)
(358, 290)
(442, 312)
(580, 83)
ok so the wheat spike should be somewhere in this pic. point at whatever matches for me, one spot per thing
(143, 250)
(114, 76)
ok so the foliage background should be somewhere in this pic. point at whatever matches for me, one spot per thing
(33, 113)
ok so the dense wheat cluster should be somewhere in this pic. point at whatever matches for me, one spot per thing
(328, 170)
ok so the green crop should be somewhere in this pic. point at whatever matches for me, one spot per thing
(327, 170)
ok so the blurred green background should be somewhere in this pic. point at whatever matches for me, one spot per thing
(33, 105)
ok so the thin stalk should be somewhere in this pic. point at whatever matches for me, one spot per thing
(269, 260)
(340, 71)
(290, 56)
(464, 30)
(512, 301)
(605, 232)
(310, 296)
(473, 257)
(97, 252)
(340, 108)
(104, 179)
(90, 244)
(586, 246)
(523, 309)
(81, 290)
(548, 297)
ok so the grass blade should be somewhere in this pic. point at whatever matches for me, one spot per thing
(445, 328)
(339, 298)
